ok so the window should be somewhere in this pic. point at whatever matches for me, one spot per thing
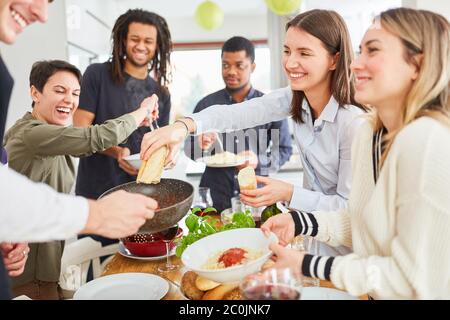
(358, 15)
(197, 73)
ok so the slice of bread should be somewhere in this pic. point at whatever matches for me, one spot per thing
(219, 292)
(247, 178)
(151, 170)
(188, 287)
(205, 284)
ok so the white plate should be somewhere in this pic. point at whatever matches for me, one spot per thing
(319, 293)
(126, 253)
(205, 160)
(134, 160)
(124, 286)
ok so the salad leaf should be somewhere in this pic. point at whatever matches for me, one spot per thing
(200, 227)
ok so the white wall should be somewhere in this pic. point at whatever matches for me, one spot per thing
(38, 42)
(439, 6)
(187, 30)
(93, 36)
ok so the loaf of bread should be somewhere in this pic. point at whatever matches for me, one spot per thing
(189, 288)
(234, 294)
(219, 292)
(205, 284)
(247, 178)
(151, 170)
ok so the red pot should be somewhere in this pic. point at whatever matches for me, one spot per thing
(148, 245)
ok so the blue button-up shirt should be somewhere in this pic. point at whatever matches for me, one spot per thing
(324, 146)
(272, 150)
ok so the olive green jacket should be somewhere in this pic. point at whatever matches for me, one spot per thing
(42, 152)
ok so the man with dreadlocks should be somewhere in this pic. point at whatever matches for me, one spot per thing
(138, 68)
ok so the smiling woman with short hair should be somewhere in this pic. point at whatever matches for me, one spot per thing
(40, 145)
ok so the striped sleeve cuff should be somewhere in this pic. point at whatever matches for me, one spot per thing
(317, 266)
(305, 223)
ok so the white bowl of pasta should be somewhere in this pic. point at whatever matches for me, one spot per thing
(229, 256)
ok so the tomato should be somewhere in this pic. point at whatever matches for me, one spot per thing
(232, 257)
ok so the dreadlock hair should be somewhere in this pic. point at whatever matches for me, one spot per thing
(160, 63)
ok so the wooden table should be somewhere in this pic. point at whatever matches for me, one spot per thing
(120, 264)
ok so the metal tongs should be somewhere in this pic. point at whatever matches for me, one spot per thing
(153, 128)
(150, 122)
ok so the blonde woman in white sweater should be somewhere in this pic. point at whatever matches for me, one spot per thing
(398, 219)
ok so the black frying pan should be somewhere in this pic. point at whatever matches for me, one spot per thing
(174, 198)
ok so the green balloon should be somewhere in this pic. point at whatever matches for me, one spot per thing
(283, 7)
(209, 15)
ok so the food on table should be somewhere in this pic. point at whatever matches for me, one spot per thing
(200, 227)
(234, 294)
(189, 288)
(205, 284)
(223, 158)
(247, 178)
(231, 257)
(196, 287)
(220, 292)
(151, 170)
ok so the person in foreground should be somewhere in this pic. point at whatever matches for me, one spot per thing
(398, 217)
(36, 212)
(40, 146)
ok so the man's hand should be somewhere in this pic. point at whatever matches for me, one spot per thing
(119, 214)
(15, 256)
(124, 164)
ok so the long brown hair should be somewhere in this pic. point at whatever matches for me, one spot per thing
(423, 34)
(330, 28)
(160, 63)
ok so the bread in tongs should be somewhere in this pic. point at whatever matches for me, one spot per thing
(151, 170)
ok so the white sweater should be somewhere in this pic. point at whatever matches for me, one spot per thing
(399, 229)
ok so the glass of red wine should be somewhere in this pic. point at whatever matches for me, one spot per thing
(167, 237)
(272, 284)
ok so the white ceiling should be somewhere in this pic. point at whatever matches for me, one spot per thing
(183, 8)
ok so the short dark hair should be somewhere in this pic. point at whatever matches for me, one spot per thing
(41, 71)
(235, 44)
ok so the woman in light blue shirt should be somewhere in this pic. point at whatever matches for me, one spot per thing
(317, 57)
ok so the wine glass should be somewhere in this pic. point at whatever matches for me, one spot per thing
(203, 199)
(272, 284)
(167, 237)
(298, 243)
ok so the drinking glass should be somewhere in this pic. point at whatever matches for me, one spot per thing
(203, 198)
(272, 284)
(237, 205)
(312, 247)
(298, 243)
(167, 236)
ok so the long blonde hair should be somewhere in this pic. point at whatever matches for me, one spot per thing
(426, 39)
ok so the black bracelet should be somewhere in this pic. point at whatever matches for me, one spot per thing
(185, 125)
